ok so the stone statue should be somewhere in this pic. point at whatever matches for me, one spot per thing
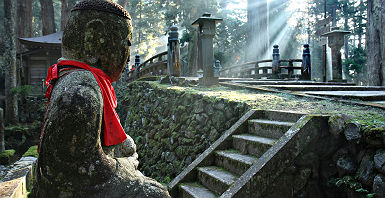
(75, 158)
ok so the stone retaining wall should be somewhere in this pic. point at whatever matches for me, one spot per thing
(347, 160)
(171, 127)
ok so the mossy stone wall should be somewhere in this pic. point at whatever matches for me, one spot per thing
(172, 127)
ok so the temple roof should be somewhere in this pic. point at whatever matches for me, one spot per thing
(50, 40)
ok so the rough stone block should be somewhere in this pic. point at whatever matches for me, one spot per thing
(379, 186)
(379, 161)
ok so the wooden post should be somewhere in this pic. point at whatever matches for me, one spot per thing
(275, 63)
(306, 64)
(173, 59)
(290, 69)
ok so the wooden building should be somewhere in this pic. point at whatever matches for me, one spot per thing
(40, 54)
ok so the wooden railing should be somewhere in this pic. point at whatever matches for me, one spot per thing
(156, 65)
(290, 68)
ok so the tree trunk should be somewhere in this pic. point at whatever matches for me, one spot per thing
(2, 142)
(375, 42)
(64, 14)
(258, 29)
(11, 108)
(47, 17)
(24, 21)
(66, 6)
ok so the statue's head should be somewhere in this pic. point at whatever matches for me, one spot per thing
(99, 33)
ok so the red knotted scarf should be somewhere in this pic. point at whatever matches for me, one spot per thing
(113, 130)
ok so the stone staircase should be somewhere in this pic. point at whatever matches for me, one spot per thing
(249, 156)
(223, 164)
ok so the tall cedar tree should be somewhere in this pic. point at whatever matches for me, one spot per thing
(24, 20)
(11, 108)
(66, 6)
(47, 17)
(376, 42)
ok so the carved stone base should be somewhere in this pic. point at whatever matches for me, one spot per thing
(208, 81)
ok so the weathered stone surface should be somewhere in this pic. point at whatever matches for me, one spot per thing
(336, 125)
(72, 161)
(345, 165)
(71, 150)
(366, 170)
(352, 132)
(184, 123)
(379, 161)
(379, 186)
(300, 182)
(169, 80)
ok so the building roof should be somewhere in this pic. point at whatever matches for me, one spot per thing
(50, 40)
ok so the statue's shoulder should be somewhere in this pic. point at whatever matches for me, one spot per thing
(77, 88)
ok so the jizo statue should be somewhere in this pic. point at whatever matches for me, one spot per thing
(84, 151)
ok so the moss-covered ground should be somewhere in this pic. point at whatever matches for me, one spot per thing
(367, 116)
(32, 151)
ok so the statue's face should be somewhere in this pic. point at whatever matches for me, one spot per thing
(121, 51)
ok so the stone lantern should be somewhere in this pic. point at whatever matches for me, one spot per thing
(217, 67)
(206, 31)
(335, 42)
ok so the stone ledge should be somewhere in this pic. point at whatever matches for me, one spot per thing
(14, 184)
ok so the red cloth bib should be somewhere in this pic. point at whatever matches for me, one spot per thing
(113, 130)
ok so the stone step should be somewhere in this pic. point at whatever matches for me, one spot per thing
(284, 116)
(215, 178)
(325, 88)
(269, 128)
(194, 190)
(252, 144)
(234, 161)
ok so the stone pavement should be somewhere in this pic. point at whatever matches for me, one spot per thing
(344, 92)
(360, 95)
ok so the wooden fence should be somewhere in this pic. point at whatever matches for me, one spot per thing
(290, 68)
(155, 66)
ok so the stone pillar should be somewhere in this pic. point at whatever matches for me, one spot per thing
(306, 63)
(275, 64)
(173, 56)
(206, 31)
(136, 66)
(335, 42)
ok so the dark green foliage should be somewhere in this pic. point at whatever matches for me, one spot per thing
(355, 62)
(7, 156)
(350, 183)
(221, 57)
(23, 90)
(186, 37)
